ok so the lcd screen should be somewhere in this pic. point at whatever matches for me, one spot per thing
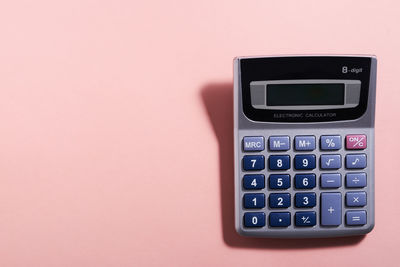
(305, 94)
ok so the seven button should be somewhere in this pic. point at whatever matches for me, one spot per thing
(253, 163)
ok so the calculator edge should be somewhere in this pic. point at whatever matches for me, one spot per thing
(367, 118)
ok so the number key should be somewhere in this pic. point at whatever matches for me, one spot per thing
(279, 162)
(254, 181)
(305, 200)
(279, 200)
(279, 181)
(305, 181)
(254, 201)
(254, 219)
(304, 162)
(253, 162)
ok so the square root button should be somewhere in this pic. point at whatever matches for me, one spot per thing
(356, 141)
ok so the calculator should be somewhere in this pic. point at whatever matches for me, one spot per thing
(304, 145)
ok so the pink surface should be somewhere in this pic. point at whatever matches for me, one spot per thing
(116, 129)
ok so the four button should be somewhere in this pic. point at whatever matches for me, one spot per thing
(331, 207)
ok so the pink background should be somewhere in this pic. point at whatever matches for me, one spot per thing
(116, 129)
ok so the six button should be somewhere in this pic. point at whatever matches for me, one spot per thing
(331, 207)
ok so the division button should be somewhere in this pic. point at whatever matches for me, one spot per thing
(279, 143)
(356, 180)
(331, 209)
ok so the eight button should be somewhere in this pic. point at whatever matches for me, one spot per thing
(279, 162)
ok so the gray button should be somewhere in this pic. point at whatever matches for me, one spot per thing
(253, 143)
(357, 217)
(277, 143)
(331, 209)
(355, 180)
(331, 162)
(331, 180)
(305, 142)
(356, 199)
(356, 161)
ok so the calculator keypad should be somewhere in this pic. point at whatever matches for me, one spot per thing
(300, 180)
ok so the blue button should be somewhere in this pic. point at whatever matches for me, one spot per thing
(279, 219)
(281, 162)
(279, 181)
(331, 142)
(254, 201)
(305, 200)
(306, 218)
(253, 143)
(305, 142)
(304, 162)
(254, 219)
(356, 179)
(279, 200)
(356, 217)
(331, 180)
(356, 161)
(305, 181)
(331, 209)
(254, 181)
(356, 199)
(331, 162)
(253, 163)
(279, 143)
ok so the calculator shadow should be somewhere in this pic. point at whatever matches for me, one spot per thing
(218, 101)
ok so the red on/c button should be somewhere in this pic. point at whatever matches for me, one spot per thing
(356, 141)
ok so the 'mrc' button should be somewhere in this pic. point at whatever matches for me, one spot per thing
(253, 143)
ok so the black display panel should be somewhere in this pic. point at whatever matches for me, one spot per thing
(305, 94)
(303, 68)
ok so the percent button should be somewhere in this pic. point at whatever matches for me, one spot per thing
(331, 142)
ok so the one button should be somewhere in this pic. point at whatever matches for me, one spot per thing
(254, 181)
(279, 219)
(305, 200)
(279, 143)
(279, 162)
(254, 219)
(331, 180)
(279, 200)
(304, 181)
(279, 181)
(356, 199)
(356, 141)
(305, 142)
(253, 162)
(254, 201)
(304, 162)
(356, 161)
(356, 217)
(306, 218)
(331, 209)
(253, 143)
(331, 162)
(356, 180)
(331, 142)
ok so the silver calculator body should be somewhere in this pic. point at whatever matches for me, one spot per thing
(304, 145)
